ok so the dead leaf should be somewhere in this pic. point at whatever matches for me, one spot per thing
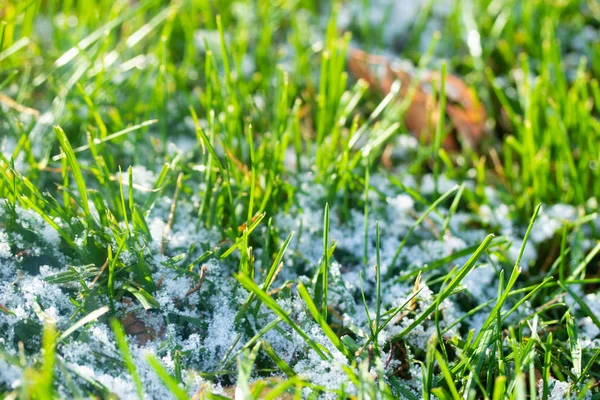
(465, 111)
(135, 325)
(412, 305)
(264, 385)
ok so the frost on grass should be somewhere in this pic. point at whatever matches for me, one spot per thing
(559, 390)
(199, 334)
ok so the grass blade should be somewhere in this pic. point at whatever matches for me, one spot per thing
(280, 312)
(126, 354)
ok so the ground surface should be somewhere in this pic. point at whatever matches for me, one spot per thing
(204, 199)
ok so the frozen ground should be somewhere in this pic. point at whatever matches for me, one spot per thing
(202, 328)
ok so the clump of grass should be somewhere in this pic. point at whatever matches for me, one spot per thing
(193, 204)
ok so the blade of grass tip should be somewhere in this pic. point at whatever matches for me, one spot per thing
(130, 194)
(99, 33)
(278, 259)
(250, 342)
(312, 308)
(447, 375)
(247, 283)
(28, 203)
(283, 366)
(158, 186)
(110, 137)
(151, 25)
(484, 391)
(321, 98)
(547, 365)
(94, 315)
(278, 392)
(462, 273)
(467, 315)
(588, 366)
(250, 143)
(428, 372)
(169, 381)
(65, 175)
(379, 137)
(580, 269)
(232, 346)
(244, 263)
(532, 378)
(452, 210)
(366, 306)
(224, 54)
(436, 314)
(366, 214)
(251, 196)
(224, 173)
(390, 315)
(271, 275)
(378, 287)
(257, 220)
(529, 294)
(145, 298)
(486, 335)
(263, 331)
(574, 344)
(3, 24)
(325, 269)
(375, 114)
(421, 69)
(563, 246)
(500, 339)
(526, 237)
(520, 392)
(44, 388)
(439, 132)
(75, 169)
(245, 364)
(123, 209)
(432, 207)
(111, 269)
(9, 78)
(499, 388)
(126, 354)
(441, 393)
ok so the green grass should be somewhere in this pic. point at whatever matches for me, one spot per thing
(246, 116)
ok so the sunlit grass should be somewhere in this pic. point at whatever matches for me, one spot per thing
(239, 110)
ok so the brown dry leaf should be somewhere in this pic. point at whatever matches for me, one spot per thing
(134, 325)
(412, 305)
(464, 109)
(269, 383)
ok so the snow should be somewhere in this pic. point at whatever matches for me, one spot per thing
(4, 246)
(202, 326)
(9, 374)
(560, 390)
